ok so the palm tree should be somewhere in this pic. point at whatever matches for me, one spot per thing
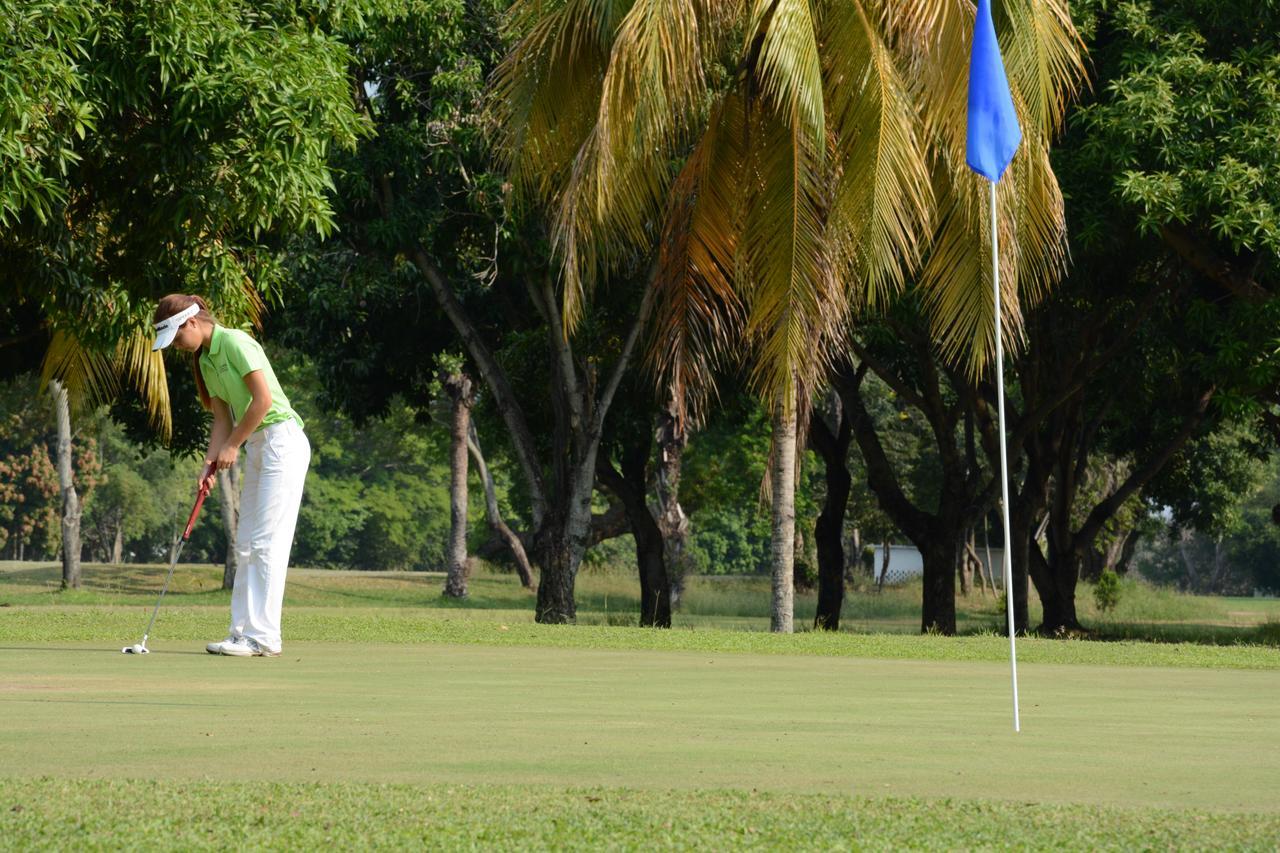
(787, 162)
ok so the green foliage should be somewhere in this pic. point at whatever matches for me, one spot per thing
(147, 148)
(1106, 592)
(30, 492)
(1185, 130)
(720, 489)
(376, 495)
(45, 108)
(1238, 551)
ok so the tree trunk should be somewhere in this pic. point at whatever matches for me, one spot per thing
(886, 551)
(561, 517)
(783, 483)
(987, 565)
(964, 568)
(117, 545)
(229, 498)
(1057, 591)
(523, 569)
(977, 568)
(70, 501)
(672, 521)
(1022, 525)
(829, 529)
(629, 486)
(558, 569)
(938, 612)
(853, 564)
(458, 386)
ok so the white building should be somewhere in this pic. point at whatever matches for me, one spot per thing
(905, 563)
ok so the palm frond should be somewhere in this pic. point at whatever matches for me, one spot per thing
(1044, 58)
(93, 378)
(956, 281)
(698, 316)
(545, 93)
(795, 304)
(781, 56)
(652, 94)
(882, 211)
(88, 375)
(1042, 54)
(144, 371)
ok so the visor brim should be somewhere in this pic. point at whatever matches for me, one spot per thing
(164, 337)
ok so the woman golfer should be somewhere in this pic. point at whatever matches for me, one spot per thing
(250, 411)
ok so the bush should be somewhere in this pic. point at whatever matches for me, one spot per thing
(1106, 592)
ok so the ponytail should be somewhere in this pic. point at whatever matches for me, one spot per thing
(172, 304)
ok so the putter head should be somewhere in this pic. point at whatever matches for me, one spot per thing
(136, 649)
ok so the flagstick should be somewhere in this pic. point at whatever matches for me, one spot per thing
(1004, 458)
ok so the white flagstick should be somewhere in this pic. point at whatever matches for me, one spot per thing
(1004, 458)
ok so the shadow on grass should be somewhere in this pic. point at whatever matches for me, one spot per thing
(101, 651)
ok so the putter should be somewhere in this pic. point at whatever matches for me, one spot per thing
(205, 486)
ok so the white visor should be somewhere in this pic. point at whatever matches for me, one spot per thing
(168, 327)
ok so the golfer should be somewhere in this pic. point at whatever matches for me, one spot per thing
(237, 384)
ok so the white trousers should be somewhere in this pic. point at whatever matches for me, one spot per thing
(275, 466)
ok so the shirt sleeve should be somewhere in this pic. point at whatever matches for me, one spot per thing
(245, 355)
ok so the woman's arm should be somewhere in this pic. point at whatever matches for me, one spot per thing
(217, 438)
(253, 415)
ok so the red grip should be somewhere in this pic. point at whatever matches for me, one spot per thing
(200, 496)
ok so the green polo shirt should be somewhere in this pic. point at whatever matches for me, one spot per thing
(231, 356)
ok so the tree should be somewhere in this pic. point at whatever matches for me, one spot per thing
(29, 489)
(461, 398)
(1161, 333)
(148, 148)
(70, 500)
(425, 217)
(956, 492)
(794, 158)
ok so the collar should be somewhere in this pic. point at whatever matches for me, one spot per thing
(215, 340)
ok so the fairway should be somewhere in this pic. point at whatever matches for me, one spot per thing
(431, 714)
(399, 718)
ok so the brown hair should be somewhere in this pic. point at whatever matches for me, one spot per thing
(172, 304)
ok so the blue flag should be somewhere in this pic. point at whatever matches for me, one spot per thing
(993, 125)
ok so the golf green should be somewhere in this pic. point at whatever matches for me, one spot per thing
(426, 714)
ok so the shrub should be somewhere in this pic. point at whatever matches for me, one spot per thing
(1106, 592)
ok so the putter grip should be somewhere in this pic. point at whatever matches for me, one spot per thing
(195, 510)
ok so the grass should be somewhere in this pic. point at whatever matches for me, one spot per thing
(185, 627)
(609, 597)
(56, 814)
(399, 718)
(646, 719)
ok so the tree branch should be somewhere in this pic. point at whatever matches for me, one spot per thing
(890, 378)
(624, 357)
(1139, 477)
(1205, 260)
(491, 510)
(880, 474)
(494, 377)
(561, 346)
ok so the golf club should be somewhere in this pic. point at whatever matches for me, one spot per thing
(205, 485)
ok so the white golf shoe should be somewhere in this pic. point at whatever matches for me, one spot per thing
(215, 648)
(243, 647)
(261, 650)
(238, 647)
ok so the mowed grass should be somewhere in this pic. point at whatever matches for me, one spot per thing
(398, 718)
(59, 815)
(611, 597)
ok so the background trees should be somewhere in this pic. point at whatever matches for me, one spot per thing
(745, 180)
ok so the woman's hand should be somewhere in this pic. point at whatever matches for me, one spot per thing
(227, 456)
(208, 477)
